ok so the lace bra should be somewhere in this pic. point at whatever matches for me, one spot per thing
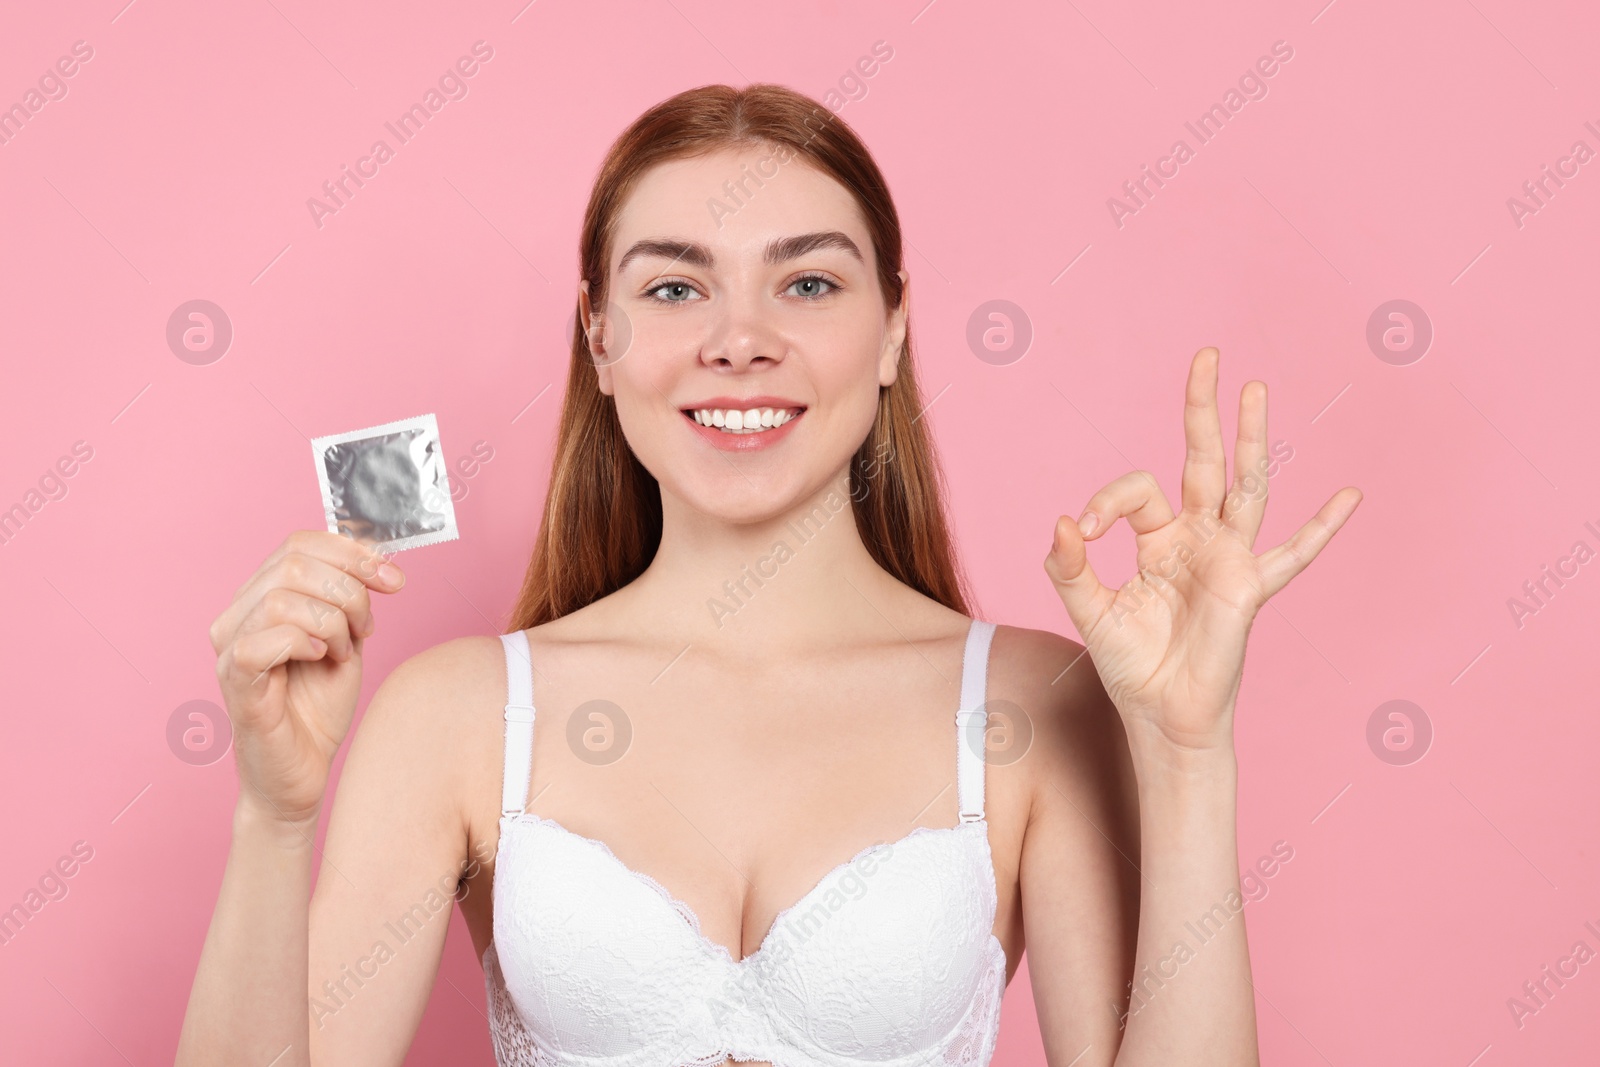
(889, 960)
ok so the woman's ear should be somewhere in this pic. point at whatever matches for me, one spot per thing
(894, 334)
(596, 335)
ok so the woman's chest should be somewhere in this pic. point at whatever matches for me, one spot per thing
(736, 793)
(889, 954)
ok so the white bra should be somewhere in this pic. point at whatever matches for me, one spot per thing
(889, 960)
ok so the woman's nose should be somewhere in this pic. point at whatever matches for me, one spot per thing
(739, 338)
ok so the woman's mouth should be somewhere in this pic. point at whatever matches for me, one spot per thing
(746, 421)
(744, 429)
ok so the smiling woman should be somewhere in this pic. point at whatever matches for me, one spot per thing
(783, 845)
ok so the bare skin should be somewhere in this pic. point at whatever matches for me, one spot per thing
(771, 744)
(845, 759)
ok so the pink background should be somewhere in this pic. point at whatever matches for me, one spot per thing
(1378, 167)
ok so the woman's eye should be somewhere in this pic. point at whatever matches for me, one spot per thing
(680, 293)
(811, 284)
(810, 287)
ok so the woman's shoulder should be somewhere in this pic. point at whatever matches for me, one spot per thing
(1052, 702)
(461, 676)
(1044, 672)
(456, 665)
(439, 718)
(442, 704)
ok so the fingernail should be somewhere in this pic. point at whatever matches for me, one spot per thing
(391, 575)
(318, 645)
(1087, 524)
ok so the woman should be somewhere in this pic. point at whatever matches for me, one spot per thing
(752, 660)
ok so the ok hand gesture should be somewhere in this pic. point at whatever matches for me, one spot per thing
(1169, 644)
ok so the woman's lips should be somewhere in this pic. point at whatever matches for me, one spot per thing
(742, 442)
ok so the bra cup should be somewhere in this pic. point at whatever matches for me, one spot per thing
(908, 934)
(599, 962)
(591, 959)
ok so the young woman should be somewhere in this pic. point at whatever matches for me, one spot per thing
(783, 800)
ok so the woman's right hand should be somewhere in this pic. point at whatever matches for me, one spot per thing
(289, 664)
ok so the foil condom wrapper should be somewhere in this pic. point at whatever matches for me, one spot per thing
(387, 485)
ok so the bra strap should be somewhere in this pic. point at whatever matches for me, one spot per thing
(519, 723)
(972, 720)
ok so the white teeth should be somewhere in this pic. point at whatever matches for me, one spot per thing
(750, 420)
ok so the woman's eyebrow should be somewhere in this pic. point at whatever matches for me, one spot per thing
(778, 250)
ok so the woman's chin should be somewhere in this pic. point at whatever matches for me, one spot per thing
(754, 501)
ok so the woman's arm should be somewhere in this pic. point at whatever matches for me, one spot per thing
(246, 997)
(397, 847)
(341, 977)
(1191, 998)
(1168, 648)
(1128, 869)
(1079, 873)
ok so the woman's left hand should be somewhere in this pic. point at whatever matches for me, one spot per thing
(1169, 645)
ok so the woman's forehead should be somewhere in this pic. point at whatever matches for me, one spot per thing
(736, 200)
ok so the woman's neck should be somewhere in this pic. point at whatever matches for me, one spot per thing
(801, 579)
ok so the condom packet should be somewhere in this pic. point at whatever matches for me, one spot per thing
(387, 484)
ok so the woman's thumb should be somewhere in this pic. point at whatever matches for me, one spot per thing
(1069, 570)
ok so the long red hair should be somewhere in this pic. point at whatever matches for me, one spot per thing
(602, 517)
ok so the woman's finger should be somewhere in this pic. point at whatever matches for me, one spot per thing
(1205, 464)
(326, 591)
(1246, 504)
(340, 571)
(1136, 496)
(1279, 565)
(1086, 599)
(314, 615)
(249, 658)
(358, 557)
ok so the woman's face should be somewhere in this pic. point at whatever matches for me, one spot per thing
(739, 284)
